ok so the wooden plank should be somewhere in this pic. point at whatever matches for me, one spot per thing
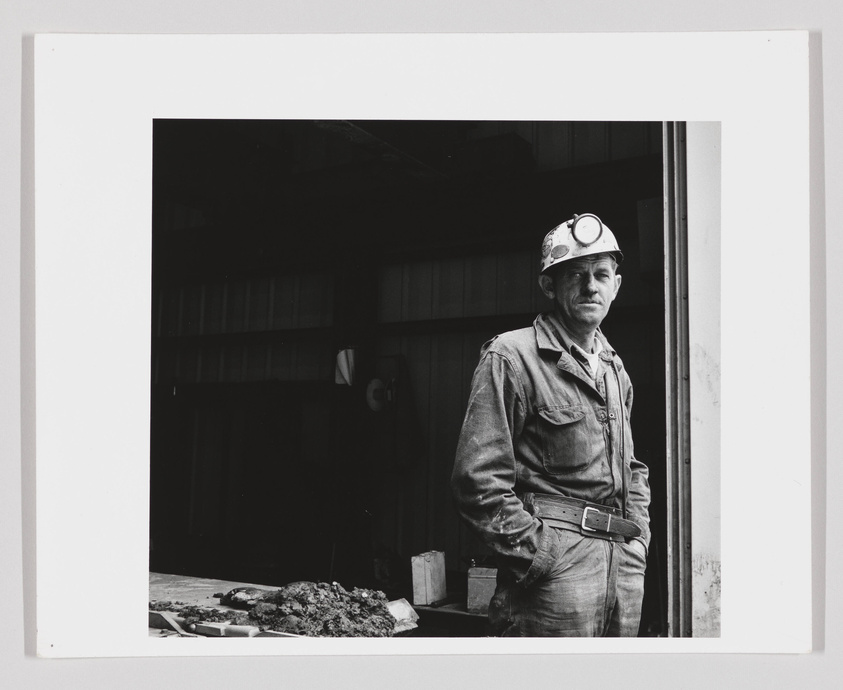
(212, 314)
(327, 362)
(232, 364)
(515, 289)
(191, 310)
(312, 361)
(255, 364)
(190, 364)
(448, 288)
(481, 285)
(226, 630)
(259, 300)
(389, 293)
(236, 307)
(416, 292)
(164, 620)
(388, 347)
(315, 300)
(180, 326)
(282, 361)
(210, 366)
(275, 633)
(283, 302)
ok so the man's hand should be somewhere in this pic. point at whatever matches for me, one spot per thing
(638, 546)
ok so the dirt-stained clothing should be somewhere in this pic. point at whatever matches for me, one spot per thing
(538, 422)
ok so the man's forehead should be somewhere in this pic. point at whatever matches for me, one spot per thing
(583, 261)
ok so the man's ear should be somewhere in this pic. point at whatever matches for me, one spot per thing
(618, 278)
(546, 285)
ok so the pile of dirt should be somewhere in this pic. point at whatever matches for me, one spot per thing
(324, 610)
(315, 609)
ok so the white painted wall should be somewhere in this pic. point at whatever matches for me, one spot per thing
(703, 151)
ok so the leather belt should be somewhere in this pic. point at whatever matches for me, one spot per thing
(589, 519)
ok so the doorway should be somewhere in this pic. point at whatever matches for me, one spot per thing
(278, 244)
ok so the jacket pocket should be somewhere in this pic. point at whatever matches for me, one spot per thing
(565, 438)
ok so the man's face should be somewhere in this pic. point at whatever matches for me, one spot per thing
(583, 290)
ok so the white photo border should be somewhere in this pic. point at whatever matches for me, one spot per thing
(95, 99)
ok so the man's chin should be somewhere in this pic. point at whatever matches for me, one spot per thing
(581, 324)
(590, 314)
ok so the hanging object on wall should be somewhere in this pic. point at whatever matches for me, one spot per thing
(376, 395)
(345, 367)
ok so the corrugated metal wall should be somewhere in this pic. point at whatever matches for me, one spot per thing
(219, 331)
(440, 366)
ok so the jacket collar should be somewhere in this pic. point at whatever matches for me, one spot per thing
(550, 335)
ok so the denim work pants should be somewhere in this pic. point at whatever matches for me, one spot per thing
(594, 589)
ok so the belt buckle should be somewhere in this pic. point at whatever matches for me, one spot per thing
(585, 515)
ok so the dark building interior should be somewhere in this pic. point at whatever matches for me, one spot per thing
(278, 244)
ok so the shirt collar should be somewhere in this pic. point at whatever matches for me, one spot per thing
(598, 348)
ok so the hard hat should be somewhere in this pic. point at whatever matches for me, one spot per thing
(583, 235)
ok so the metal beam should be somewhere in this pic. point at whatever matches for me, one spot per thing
(677, 373)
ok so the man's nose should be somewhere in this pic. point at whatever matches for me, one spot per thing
(589, 284)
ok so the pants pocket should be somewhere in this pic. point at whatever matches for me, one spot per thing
(500, 611)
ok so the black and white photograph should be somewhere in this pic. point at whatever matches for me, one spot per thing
(419, 356)
(321, 294)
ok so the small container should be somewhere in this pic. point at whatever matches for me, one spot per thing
(481, 588)
(428, 578)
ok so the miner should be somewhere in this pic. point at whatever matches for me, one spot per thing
(545, 471)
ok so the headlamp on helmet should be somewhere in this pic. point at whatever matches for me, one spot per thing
(583, 235)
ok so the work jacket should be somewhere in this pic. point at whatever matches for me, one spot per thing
(538, 422)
